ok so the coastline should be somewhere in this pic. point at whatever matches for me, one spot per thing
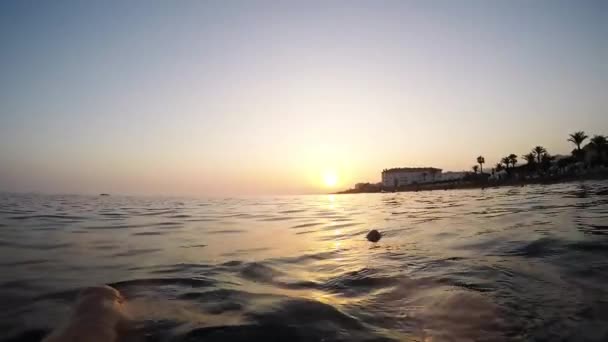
(601, 174)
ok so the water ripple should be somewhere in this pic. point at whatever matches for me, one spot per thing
(507, 264)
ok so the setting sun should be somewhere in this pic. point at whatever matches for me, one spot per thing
(330, 179)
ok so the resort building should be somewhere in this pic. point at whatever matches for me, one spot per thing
(410, 175)
(453, 175)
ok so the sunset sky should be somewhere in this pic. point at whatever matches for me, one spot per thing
(280, 97)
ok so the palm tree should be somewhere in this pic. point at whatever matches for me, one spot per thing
(577, 138)
(499, 167)
(530, 158)
(475, 168)
(539, 151)
(481, 160)
(599, 144)
(546, 160)
(513, 159)
(506, 161)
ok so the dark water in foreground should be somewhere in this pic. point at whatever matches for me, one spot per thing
(479, 265)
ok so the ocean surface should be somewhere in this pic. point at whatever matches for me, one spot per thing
(509, 264)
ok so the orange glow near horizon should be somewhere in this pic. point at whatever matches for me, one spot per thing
(257, 98)
(330, 178)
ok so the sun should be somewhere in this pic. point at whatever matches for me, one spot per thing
(330, 178)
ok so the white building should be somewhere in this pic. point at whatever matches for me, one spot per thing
(410, 175)
(453, 175)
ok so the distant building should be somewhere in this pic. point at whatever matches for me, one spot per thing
(368, 187)
(453, 175)
(361, 186)
(410, 175)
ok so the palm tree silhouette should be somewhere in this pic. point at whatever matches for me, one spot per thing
(539, 151)
(513, 159)
(481, 160)
(475, 168)
(499, 167)
(546, 160)
(530, 158)
(599, 144)
(506, 161)
(577, 138)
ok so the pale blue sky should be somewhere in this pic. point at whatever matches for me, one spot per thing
(229, 97)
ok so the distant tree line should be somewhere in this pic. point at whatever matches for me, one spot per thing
(539, 161)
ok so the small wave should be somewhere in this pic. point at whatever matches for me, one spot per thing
(229, 295)
(180, 216)
(246, 251)
(44, 247)
(130, 226)
(47, 228)
(148, 233)
(194, 246)
(357, 283)
(272, 219)
(135, 252)
(601, 192)
(178, 268)
(308, 257)
(293, 211)
(342, 225)
(115, 226)
(595, 229)
(58, 217)
(461, 283)
(306, 232)
(115, 214)
(226, 231)
(232, 263)
(25, 262)
(157, 212)
(304, 225)
(153, 282)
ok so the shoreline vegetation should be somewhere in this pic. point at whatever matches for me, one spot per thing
(589, 162)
